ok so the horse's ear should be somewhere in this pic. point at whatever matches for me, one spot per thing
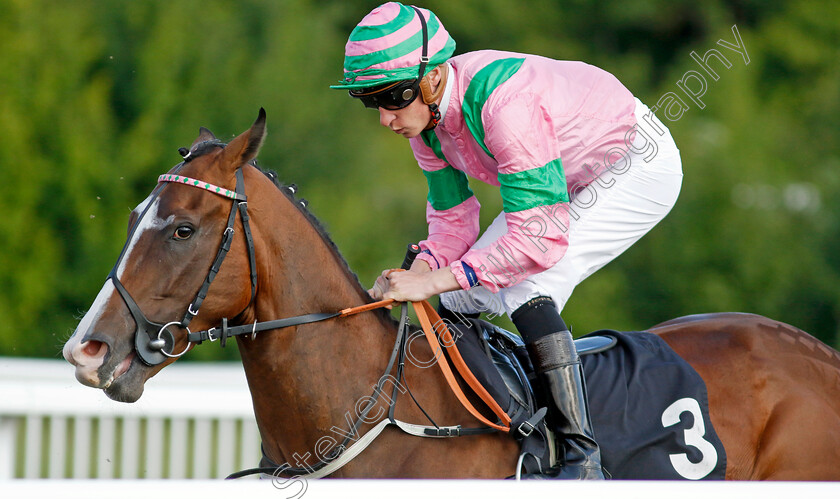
(245, 147)
(203, 136)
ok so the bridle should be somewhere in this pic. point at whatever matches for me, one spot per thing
(154, 341)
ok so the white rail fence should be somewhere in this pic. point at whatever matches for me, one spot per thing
(193, 421)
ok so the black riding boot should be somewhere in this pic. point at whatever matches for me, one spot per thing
(560, 374)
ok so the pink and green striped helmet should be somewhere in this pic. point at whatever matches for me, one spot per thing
(386, 45)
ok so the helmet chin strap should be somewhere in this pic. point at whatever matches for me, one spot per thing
(425, 87)
(435, 117)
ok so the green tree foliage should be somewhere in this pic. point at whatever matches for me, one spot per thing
(96, 97)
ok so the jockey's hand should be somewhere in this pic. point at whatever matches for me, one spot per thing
(413, 285)
(381, 286)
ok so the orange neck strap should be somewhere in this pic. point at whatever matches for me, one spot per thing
(437, 333)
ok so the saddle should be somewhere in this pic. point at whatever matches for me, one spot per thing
(500, 362)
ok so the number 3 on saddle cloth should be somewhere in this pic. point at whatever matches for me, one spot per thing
(649, 407)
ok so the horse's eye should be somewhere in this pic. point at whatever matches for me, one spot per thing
(183, 232)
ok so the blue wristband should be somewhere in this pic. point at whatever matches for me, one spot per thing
(470, 273)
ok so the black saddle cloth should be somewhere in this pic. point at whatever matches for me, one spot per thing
(650, 412)
(649, 408)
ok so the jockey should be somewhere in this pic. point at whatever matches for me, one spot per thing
(584, 170)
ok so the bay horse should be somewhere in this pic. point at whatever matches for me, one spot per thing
(773, 389)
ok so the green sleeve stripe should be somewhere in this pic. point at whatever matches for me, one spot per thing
(448, 188)
(541, 186)
(433, 142)
(479, 90)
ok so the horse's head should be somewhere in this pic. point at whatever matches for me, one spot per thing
(139, 320)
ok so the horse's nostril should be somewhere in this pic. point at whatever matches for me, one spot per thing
(94, 348)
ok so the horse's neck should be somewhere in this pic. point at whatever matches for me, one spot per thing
(305, 379)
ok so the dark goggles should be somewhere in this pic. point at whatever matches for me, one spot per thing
(390, 96)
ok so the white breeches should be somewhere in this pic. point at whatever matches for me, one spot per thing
(628, 201)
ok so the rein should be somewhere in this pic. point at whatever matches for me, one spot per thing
(224, 332)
